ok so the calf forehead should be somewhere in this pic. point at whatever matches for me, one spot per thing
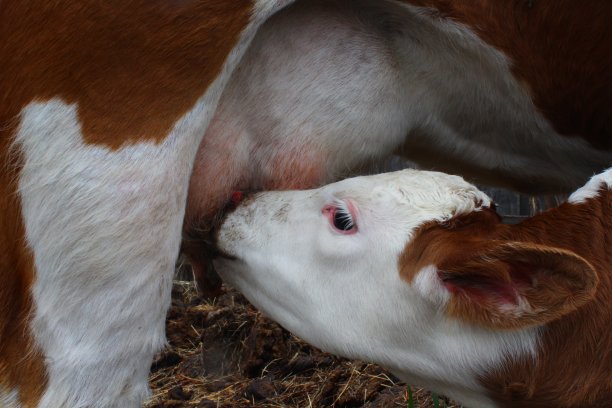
(409, 189)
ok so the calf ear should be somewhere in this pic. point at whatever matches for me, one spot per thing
(513, 284)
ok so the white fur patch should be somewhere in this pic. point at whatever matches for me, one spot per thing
(9, 399)
(592, 188)
(429, 285)
(104, 228)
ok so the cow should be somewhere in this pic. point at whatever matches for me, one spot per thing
(126, 127)
(415, 271)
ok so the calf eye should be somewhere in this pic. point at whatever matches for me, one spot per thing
(343, 220)
(340, 216)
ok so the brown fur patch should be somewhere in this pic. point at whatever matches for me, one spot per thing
(507, 285)
(430, 244)
(575, 357)
(560, 52)
(21, 365)
(133, 68)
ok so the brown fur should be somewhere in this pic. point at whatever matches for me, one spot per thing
(571, 247)
(20, 363)
(133, 68)
(560, 52)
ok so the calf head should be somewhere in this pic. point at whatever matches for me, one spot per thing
(412, 270)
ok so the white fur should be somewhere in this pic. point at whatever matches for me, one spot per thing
(344, 293)
(592, 188)
(104, 227)
(9, 398)
(353, 81)
(427, 283)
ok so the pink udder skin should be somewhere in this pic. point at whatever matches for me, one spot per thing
(227, 162)
(222, 169)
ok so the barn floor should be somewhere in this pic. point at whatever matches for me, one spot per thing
(226, 354)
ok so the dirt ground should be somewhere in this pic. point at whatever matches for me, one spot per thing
(224, 353)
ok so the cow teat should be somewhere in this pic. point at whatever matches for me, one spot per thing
(200, 246)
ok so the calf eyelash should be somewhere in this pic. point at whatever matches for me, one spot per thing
(343, 216)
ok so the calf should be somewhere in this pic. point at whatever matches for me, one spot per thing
(414, 270)
(104, 109)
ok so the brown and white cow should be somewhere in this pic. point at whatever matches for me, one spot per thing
(414, 270)
(103, 109)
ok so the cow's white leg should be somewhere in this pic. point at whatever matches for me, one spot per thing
(104, 227)
(9, 399)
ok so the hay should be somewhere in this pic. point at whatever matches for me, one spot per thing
(224, 353)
